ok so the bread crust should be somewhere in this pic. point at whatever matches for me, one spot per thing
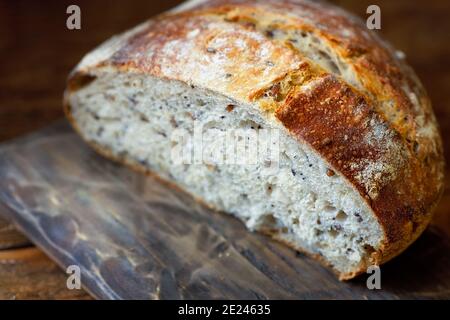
(383, 138)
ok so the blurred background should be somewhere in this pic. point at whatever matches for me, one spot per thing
(37, 52)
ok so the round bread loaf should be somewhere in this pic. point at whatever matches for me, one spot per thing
(362, 162)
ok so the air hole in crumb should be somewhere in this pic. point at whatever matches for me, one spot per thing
(358, 217)
(333, 66)
(341, 216)
(173, 122)
(317, 232)
(269, 221)
(162, 134)
(269, 188)
(249, 124)
(333, 233)
(328, 207)
(144, 118)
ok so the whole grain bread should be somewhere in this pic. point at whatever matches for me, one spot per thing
(364, 161)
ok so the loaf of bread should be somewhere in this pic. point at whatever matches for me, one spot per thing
(359, 164)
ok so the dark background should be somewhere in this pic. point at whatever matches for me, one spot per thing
(37, 52)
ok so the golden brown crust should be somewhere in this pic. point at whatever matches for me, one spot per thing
(382, 136)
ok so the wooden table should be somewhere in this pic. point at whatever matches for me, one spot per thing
(37, 52)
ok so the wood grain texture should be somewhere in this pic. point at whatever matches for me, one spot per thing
(46, 281)
(25, 271)
(10, 237)
(135, 238)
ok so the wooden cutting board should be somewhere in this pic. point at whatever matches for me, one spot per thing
(134, 238)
